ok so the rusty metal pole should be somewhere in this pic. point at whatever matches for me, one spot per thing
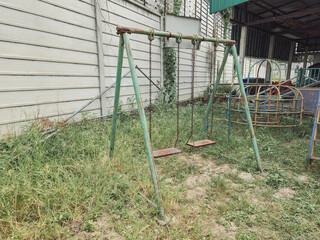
(214, 91)
(245, 103)
(121, 29)
(116, 96)
(143, 120)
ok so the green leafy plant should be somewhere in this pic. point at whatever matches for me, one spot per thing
(176, 7)
(227, 14)
(170, 63)
(169, 70)
(276, 178)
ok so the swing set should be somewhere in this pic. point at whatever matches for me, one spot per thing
(124, 43)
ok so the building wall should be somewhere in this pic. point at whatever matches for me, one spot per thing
(48, 60)
(49, 63)
(125, 13)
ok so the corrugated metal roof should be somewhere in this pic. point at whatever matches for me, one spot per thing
(218, 5)
(295, 20)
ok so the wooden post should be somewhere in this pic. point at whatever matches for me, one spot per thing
(270, 56)
(243, 45)
(290, 60)
(102, 83)
(305, 59)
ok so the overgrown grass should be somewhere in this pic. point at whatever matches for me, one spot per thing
(64, 186)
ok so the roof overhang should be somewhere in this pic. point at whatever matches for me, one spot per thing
(219, 5)
(295, 20)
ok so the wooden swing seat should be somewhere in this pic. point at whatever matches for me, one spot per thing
(201, 143)
(166, 152)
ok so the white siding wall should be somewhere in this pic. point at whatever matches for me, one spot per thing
(124, 13)
(49, 59)
(195, 9)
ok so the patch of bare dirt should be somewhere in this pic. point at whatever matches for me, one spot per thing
(102, 231)
(303, 178)
(197, 192)
(220, 232)
(246, 176)
(222, 169)
(198, 161)
(260, 177)
(234, 170)
(256, 202)
(168, 180)
(233, 226)
(256, 190)
(234, 185)
(207, 166)
(194, 180)
(284, 193)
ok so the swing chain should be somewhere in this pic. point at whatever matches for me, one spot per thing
(151, 38)
(212, 78)
(194, 42)
(178, 40)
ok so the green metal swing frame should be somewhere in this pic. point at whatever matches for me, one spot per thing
(124, 43)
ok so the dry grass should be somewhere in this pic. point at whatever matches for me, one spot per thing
(67, 188)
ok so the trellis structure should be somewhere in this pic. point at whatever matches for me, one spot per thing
(124, 43)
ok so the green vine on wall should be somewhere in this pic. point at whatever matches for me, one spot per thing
(169, 72)
(227, 14)
(170, 62)
(176, 7)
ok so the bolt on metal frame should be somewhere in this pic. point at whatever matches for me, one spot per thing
(124, 43)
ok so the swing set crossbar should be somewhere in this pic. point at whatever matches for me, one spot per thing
(130, 30)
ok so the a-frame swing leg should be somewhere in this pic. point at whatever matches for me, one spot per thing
(246, 107)
(125, 39)
(210, 102)
(245, 101)
(227, 50)
(116, 96)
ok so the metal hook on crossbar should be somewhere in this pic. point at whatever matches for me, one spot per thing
(195, 40)
(179, 39)
(151, 35)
